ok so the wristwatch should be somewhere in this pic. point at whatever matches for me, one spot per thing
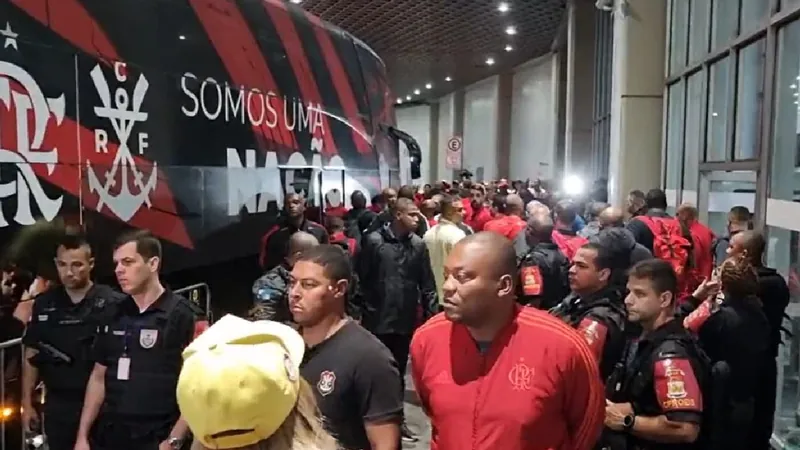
(628, 421)
(175, 443)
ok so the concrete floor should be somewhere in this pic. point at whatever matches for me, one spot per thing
(416, 419)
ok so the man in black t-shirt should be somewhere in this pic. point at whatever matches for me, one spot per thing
(354, 376)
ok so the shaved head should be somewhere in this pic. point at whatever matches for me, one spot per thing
(478, 289)
(753, 243)
(536, 206)
(611, 217)
(301, 241)
(493, 250)
(514, 204)
(540, 226)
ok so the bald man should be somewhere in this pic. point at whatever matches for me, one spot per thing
(270, 301)
(622, 246)
(543, 268)
(547, 395)
(510, 223)
(775, 296)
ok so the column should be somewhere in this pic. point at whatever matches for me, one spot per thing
(580, 87)
(637, 96)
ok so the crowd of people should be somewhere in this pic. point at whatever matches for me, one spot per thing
(531, 320)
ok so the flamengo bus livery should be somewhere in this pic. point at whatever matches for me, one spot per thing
(189, 118)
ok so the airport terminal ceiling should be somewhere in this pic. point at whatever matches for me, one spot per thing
(423, 42)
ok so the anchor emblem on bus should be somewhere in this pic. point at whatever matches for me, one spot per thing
(124, 113)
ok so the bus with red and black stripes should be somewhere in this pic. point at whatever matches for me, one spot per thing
(189, 118)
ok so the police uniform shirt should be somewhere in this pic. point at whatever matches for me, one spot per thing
(355, 380)
(63, 332)
(673, 388)
(142, 354)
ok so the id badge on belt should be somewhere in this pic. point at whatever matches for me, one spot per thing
(124, 362)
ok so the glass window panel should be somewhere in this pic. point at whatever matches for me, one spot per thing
(724, 17)
(783, 243)
(699, 29)
(786, 145)
(694, 127)
(788, 4)
(752, 14)
(679, 29)
(718, 111)
(749, 97)
(674, 149)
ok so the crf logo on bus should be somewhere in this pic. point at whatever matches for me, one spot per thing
(30, 103)
(124, 113)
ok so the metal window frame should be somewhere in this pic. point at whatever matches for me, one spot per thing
(767, 29)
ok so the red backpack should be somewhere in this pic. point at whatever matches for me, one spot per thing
(568, 245)
(669, 243)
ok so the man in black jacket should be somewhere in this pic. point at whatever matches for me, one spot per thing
(774, 294)
(359, 218)
(543, 270)
(396, 267)
(293, 219)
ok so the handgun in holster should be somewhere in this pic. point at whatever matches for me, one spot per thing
(49, 354)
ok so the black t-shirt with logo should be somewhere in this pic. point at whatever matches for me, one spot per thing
(356, 381)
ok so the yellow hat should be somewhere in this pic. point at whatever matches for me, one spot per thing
(240, 381)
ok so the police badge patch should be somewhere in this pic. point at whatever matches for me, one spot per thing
(148, 338)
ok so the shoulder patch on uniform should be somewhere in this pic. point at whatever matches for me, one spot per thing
(676, 386)
(531, 280)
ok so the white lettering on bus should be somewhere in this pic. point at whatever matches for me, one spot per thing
(215, 100)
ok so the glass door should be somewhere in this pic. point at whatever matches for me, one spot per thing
(719, 191)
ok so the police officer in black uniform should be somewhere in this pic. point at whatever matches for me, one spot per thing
(543, 269)
(138, 358)
(655, 395)
(595, 305)
(58, 341)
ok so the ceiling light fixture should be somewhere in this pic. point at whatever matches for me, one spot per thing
(503, 7)
(408, 97)
(182, 37)
(448, 79)
(297, 2)
(511, 30)
(489, 61)
(428, 86)
(399, 101)
(416, 91)
(509, 48)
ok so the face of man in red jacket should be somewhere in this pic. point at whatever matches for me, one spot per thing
(473, 283)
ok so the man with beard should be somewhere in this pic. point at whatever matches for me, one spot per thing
(58, 342)
(355, 378)
(478, 214)
(492, 374)
(274, 242)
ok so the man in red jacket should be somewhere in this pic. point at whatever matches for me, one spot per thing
(492, 374)
(510, 223)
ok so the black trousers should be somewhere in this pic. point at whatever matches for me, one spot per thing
(764, 416)
(119, 432)
(398, 345)
(61, 420)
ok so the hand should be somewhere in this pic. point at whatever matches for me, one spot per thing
(706, 289)
(30, 419)
(615, 414)
(82, 443)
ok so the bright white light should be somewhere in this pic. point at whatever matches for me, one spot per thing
(489, 61)
(509, 48)
(408, 97)
(399, 101)
(448, 79)
(416, 91)
(428, 86)
(503, 7)
(182, 37)
(297, 2)
(794, 86)
(512, 30)
(573, 185)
